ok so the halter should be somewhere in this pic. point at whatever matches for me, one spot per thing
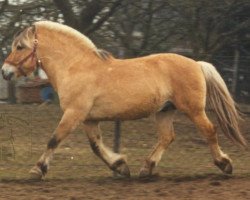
(31, 55)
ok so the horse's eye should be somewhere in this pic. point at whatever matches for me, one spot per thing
(19, 47)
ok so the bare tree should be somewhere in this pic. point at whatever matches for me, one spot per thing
(143, 27)
(90, 16)
(209, 26)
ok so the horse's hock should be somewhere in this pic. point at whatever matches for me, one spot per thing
(29, 92)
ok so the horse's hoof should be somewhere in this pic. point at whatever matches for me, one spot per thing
(225, 165)
(121, 167)
(36, 173)
(145, 173)
(124, 170)
(147, 169)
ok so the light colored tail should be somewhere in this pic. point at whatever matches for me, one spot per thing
(222, 103)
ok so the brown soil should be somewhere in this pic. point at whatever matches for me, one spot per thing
(185, 172)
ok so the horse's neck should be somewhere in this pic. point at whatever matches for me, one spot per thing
(56, 56)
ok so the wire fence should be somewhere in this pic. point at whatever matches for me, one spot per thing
(26, 129)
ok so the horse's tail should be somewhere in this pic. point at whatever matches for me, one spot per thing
(222, 103)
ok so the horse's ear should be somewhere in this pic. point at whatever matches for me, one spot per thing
(17, 33)
(33, 29)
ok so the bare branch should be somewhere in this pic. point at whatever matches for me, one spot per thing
(26, 6)
(147, 30)
(69, 17)
(89, 13)
(3, 5)
(100, 22)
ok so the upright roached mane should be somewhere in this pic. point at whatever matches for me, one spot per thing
(91, 90)
(82, 39)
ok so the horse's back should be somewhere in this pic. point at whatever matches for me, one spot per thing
(181, 76)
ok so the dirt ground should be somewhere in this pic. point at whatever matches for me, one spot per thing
(185, 172)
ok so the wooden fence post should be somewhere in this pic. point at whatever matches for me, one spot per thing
(11, 92)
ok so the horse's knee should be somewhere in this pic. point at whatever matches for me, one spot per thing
(94, 137)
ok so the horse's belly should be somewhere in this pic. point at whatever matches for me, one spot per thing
(126, 115)
(124, 110)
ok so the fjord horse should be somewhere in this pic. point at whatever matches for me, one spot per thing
(94, 86)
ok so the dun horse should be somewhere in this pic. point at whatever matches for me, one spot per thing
(94, 86)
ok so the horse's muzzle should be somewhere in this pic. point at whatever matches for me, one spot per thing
(7, 75)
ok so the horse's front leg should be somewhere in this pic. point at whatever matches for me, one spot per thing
(114, 161)
(68, 123)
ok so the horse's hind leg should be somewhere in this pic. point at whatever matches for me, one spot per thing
(164, 123)
(209, 131)
(114, 161)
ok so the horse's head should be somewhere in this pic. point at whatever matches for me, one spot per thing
(22, 60)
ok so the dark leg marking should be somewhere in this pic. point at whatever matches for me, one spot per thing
(43, 167)
(95, 148)
(224, 165)
(117, 164)
(120, 166)
(53, 143)
(97, 151)
(168, 106)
